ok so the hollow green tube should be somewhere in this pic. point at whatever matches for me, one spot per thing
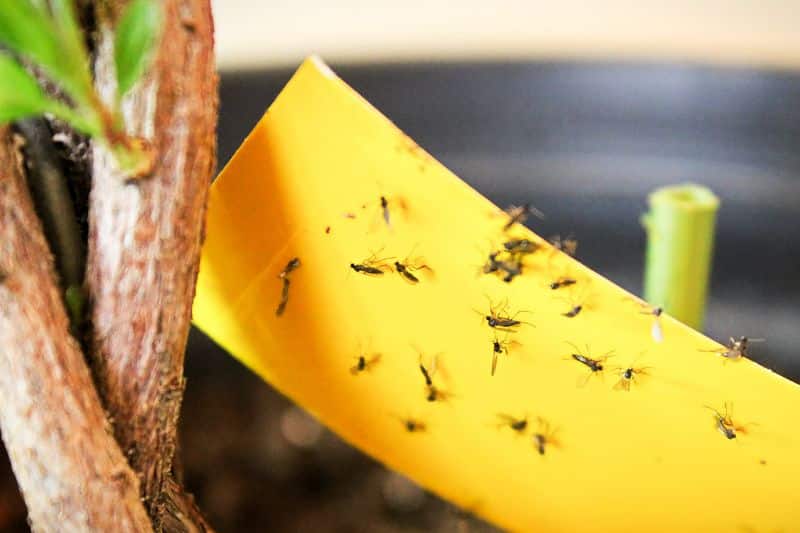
(680, 244)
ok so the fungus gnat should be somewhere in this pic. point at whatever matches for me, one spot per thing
(518, 214)
(412, 425)
(577, 302)
(512, 268)
(500, 319)
(595, 365)
(385, 210)
(492, 264)
(568, 245)
(284, 297)
(389, 206)
(505, 264)
(545, 436)
(432, 392)
(372, 266)
(499, 347)
(292, 265)
(518, 425)
(736, 348)
(630, 375)
(656, 331)
(407, 266)
(365, 363)
(724, 422)
(520, 246)
(562, 282)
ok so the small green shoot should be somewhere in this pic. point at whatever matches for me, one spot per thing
(47, 36)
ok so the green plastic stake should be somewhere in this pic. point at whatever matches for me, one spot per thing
(680, 244)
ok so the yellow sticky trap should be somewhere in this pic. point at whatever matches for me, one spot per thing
(647, 455)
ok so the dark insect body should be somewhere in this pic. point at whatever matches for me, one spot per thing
(371, 266)
(725, 425)
(363, 364)
(563, 282)
(736, 348)
(595, 365)
(568, 245)
(385, 210)
(492, 265)
(291, 266)
(366, 269)
(520, 246)
(628, 376)
(500, 323)
(518, 425)
(544, 437)
(404, 271)
(413, 426)
(518, 214)
(499, 347)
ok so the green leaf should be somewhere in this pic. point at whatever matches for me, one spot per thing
(136, 37)
(20, 95)
(29, 30)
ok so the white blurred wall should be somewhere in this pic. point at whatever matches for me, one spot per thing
(252, 33)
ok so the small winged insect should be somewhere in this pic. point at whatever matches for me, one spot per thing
(372, 265)
(505, 264)
(568, 245)
(520, 246)
(499, 347)
(518, 214)
(385, 211)
(412, 425)
(492, 264)
(499, 318)
(432, 392)
(577, 302)
(725, 424)
(510, 268)
(545, 436)
(736, 348)
(365, 363)
(518, 425)
(629, 376)
(595, 366)
(656, 331)
(292, 265)
(389, 207)
(562, 282)
(409, 265)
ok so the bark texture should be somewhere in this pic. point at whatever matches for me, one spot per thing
(70, 470)
(144, 242)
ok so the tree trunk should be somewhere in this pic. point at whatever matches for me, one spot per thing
(143, 254)
(144, 239)
(68, 466)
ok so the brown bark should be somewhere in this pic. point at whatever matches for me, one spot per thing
(144, 242)
(68, 466)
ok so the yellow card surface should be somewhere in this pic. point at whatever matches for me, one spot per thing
(587, 424)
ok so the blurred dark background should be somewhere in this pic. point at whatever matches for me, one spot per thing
(585, 142)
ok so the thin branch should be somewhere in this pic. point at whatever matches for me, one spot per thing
(144, 239)
(53, 201)
(72, 474)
